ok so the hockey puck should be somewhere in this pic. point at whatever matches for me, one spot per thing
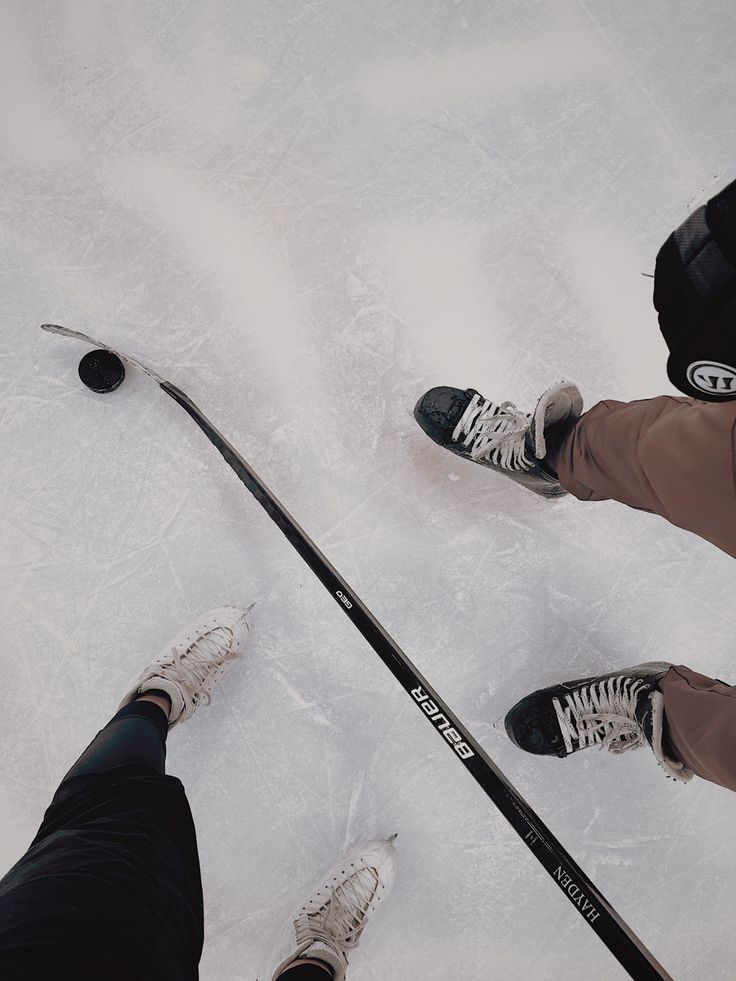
(102, 371)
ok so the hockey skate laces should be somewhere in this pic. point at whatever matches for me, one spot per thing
(341, 918)
(495, 432)
(602, 713)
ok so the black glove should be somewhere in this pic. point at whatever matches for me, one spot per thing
(695, 296)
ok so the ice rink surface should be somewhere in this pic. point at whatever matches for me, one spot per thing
(305, 214)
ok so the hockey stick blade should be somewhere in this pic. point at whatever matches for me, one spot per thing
(67, 332)
(597, 912)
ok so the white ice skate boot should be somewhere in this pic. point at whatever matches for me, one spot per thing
(194, 661)
(498, 435)
(331, 922)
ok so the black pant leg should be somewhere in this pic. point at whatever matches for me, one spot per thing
(135, 735)
(306, 972)
(110, 887)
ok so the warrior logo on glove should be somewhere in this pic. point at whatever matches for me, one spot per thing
(695, 296)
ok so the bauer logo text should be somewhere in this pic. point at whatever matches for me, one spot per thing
(443, 724)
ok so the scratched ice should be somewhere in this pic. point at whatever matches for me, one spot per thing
(305, 215)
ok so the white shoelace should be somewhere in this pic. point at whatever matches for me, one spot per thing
(196, 669)
(341, 918)
(496, 433)
(602, 712)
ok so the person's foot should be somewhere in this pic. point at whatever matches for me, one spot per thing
(191, 664)
(622, 710)
(331, 922)
(498, 435)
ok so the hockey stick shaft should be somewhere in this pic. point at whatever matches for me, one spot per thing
(597, 912)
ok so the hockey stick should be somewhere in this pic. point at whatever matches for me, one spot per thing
(582, 893)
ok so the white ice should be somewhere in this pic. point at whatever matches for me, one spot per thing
(305, 214)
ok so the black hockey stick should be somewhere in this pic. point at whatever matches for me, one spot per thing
(582, 893)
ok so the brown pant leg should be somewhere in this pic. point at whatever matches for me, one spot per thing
(700, 716)
(673, 456)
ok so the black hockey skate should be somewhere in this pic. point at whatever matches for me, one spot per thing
(620, 711)
(500, 436)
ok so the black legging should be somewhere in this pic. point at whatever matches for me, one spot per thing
(306, 972)
(137, 735)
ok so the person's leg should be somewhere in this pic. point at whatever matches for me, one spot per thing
(111, 887)
(621, 711)
(700, 715)
(307, 971)
(498, 435)
(687, 719)
(136, 735)
(672, 456)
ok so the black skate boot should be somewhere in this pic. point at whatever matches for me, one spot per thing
(500, 436)
(621, 711)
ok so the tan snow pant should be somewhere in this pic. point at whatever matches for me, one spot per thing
(675, 457)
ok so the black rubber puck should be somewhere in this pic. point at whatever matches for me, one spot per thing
(102, 371)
